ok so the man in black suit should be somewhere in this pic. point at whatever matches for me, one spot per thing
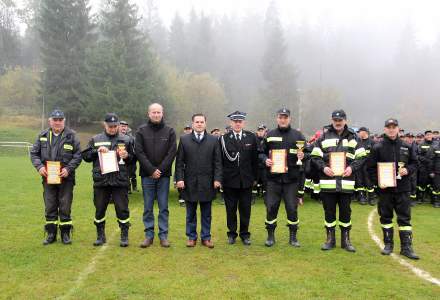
(240, 167)
(198, 174)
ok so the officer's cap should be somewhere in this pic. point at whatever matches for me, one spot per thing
(187, 126)
(284, 111)
(339, 114)
(363, 129)
(391, 122)
(123, 122)
(214, 130)
(420, 135)
(57, 114)
(261, 126)
(111, 119)
(237, 115)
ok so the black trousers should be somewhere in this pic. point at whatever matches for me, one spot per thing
(241, 199)
(101, 199)
(330, 201)
(275, 192)
(398, 202)
(58, 201)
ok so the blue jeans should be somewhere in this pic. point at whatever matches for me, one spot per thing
(156, 189)
(191, 220)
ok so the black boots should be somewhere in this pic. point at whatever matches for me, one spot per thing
(406, 244)
(270, 236)
(436, 201)
(292, 235)
(372, 198)
(330, 243)
(345, 239)
(363, 198)
(51, 233)
(388, 240)
(100, 232)
(124, 234)
(420, 196)
(65, 234)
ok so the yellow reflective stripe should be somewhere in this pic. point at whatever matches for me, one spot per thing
(359, 153)
(437, 151)
(344, 224)
(421, 189)
(271, 222)
(370, 190)
(300, 192)
(368, 151)
(350, 155)
(65, 223)
(124, 221)
(425, 147)
(52, 222)
(292, 223)
(68, 147)
(327, 184)
(102, 144)
(43, 139)
(344, 143)
(387, 226)
(436, 193)
(293, 151)
(352, 144)
(274, 139)
(413, 196)
(99, 221)
(405, 228)
(317, 152)
(347, 184)
(316, 188)
(359, 189)
(329, 143)
(333, 224)
(308, 183)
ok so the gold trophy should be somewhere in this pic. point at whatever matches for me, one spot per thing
(400, 165)
(121, 147)
(300, 146)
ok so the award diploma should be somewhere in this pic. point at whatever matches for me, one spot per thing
(279, 159)
(108, 162)
(53, 169)
(337, 163)
(386, 174)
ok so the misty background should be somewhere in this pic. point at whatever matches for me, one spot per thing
(371, 58)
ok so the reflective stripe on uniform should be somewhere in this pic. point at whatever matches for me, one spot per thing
(350, 155)
(316, 188)
(301, 192)
(370, 190)
(43, 139)
(99, 221)
(344, 224)
(347, 184)
(359, 153)
(352, 144)
(68, 147)
(102, 144)
(292, 223)
(421, 189)
(329, 143)
(65, 223)
(436, 193)
(405, 228)
(308, 183)
(387, 226)
(124, 221)
(413, 196)
(327, 184)
(317, 152)
(52, 222)
(271, 222)
(274, 139)
(333, 224)
(293, 151)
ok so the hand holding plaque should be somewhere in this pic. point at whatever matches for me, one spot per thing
(337, 163)
(53, 169)
(386, 175)
(279, 161)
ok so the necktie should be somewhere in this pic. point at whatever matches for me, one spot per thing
(237, 136)
(198, 137)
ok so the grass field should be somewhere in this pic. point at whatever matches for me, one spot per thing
(81, 271)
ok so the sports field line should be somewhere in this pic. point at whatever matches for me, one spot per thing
(422, 274)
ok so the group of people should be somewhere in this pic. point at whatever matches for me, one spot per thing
(280, 162)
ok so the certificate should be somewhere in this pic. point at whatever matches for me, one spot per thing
(386, 174)
(53, 169)
(337, 163)
(108, 162)
(279, 159)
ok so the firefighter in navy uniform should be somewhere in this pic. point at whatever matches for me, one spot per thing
(337, 190)
(112, 185)
(423, 179)
(289, 185)
(57, 143)
(434, 174)
(240, 167)
(366, 189)
(393, 149)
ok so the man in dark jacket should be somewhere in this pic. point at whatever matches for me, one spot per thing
(132, 167)
(423, 179)
(393, 150)
(364, 187)
(155, 150)
(337, 189)
(198, 174)
(286, 184)
(113, 185)
(240, 167)
(57, 144)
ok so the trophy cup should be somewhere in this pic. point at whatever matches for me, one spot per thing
(299, 146)
(400, 165)
(121, 147)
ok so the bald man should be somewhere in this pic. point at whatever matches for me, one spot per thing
(155, 150)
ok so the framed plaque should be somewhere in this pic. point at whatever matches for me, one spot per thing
(53, 169)
(386, 175)
(337, 163)
(108, 162)
(279, 159)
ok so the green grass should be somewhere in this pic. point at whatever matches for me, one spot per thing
(32, 271)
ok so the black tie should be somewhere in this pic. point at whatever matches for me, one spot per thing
(237, 136)
(198, 137)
